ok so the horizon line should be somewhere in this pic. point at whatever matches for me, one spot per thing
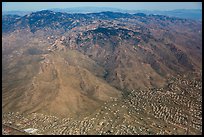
(104, 7)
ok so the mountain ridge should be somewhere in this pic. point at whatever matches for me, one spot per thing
(92, 58)
(195, 14)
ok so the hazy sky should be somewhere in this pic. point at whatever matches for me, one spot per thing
(33, 6)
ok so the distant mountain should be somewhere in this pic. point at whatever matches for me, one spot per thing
(19, 13)
(195, 14)
(87, 9)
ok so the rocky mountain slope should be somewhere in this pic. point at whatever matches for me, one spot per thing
(66, 64)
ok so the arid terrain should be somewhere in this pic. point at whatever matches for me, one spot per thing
(101, 73)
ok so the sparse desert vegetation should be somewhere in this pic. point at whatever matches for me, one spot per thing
(101, 73)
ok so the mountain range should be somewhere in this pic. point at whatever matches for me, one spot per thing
(69, 64)
(195, 14)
